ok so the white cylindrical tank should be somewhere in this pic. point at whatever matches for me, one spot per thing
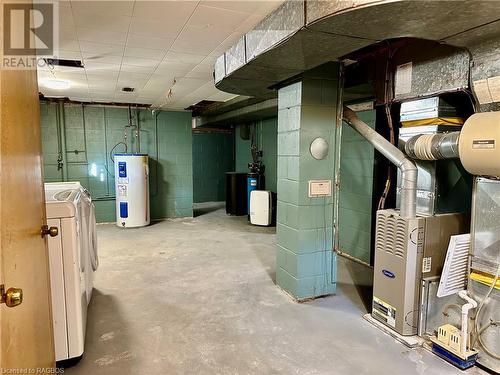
(132, 190)
(479, 144)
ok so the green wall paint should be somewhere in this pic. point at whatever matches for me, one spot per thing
(306, 263)
(266, 138)
(89, 132)
(212, 158)
(242, 151)
(356, 184)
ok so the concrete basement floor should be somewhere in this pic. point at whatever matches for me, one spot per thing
(197, 296)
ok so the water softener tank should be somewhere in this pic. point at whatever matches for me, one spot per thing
(132, 190)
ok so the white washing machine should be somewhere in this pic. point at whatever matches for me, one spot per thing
(72, 260)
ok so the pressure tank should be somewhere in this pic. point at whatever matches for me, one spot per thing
(132, 190)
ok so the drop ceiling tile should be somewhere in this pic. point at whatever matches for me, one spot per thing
(148, 53)
(221, 96)
(135, 80)
(105, 22)
(109, 92)
(222, 18)
(67, 31)
(139, 61)
(205, 92)
(186, 58)
(89, 34)
(106, 59)
(125, 97)
(210, 33)
(57, 70)
(73, 76)
(210, 60)
(69, 45)
(92, 49)
(180, 91)
(134, 76)
(157, 84)
(191, 83)
(149, 94)
(101, 86)
(255, 7)
(137, 69)
(165, 11)
(119, 8)
(127, 83)
(141, 41)
(150, 97)
(201, 71)
(69, 54)
(192, 46)
(102, 76)
(156, 28)
(218, 51)
(95, 66)
(152, 29)
(65, 16)
(175, 68)
(249, 23)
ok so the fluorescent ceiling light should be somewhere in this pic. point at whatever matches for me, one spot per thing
(56, 84)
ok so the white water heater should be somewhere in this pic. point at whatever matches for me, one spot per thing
(132, 190)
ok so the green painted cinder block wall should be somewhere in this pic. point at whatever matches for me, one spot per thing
(266, 138)
(306, 263)
(212, 158)
(88, 133)
(356, 186)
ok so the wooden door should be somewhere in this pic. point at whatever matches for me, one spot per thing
(26, 336)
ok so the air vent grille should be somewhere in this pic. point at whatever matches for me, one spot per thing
(454, 275)
(391, 234)
(401, 238)
(380, 234)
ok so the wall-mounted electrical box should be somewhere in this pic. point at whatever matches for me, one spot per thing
(320, 188)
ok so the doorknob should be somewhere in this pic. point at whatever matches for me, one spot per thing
(52, 231)
(12, 297)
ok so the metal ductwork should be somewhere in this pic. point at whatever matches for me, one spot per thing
(433, 146)
(397, 157)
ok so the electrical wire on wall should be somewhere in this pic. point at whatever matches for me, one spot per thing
(387, 109)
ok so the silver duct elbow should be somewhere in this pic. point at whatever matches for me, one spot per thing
(397, 157)
(433, 146)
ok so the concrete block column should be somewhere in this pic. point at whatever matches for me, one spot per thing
(306, 264)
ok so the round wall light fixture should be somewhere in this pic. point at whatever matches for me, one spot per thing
(319, 148)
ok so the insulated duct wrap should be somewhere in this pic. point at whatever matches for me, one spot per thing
(433, 146)
(394, 155)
